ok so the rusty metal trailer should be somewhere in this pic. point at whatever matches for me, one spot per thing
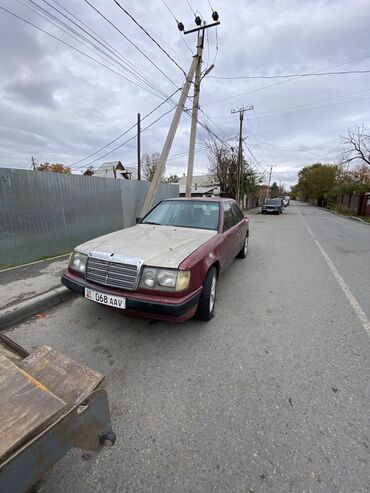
(48, 405)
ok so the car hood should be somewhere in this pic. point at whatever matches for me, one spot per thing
(160, 246)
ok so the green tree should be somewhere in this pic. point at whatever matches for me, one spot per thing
(274, 190)
(315, 182)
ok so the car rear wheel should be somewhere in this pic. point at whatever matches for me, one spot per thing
(244, 251)
(206, 305)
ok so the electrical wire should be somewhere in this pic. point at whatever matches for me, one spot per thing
(216, 53)
(177, 22)
(149, 36)
(73, 47)
(110, 47)
(126, 131)
(286, 76)
(280, 148)
(309, 109)
(128, 140)
(284, 81)
(131, 42)
(127, 65)
(101, 53)
(191, 8)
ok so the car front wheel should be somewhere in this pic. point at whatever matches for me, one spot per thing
(206, 305)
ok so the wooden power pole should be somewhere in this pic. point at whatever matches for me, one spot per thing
(240, 150)
(194, 116)
(138, 148)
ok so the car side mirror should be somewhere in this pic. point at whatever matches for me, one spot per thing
(138, 219)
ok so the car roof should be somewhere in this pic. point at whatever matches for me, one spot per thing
(201, 199)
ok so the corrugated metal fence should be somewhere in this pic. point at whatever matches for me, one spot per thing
(45, 214)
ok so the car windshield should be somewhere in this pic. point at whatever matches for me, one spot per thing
(185, 214)
(273, 201)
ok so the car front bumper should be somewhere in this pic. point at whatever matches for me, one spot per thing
(140, 304)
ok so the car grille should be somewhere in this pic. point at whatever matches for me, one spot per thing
(114, 274)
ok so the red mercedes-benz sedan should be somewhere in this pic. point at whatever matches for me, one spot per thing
(167, 266)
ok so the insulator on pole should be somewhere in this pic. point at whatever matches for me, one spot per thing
(215, 16)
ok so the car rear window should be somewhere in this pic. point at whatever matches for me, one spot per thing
(185, 214)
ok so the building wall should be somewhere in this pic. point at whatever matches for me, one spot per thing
(45, 214)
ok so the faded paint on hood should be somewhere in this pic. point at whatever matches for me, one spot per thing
(161, 246)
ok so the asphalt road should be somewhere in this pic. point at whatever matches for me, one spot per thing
(272, 395)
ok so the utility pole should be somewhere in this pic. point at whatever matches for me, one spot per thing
(154, 184)
(138, 148)
(268, 186)
(194, 116)
(240, 151)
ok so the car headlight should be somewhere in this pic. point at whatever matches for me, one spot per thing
(77, 262)
(164, 279)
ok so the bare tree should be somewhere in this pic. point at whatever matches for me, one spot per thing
(149, 164)
(357, 141)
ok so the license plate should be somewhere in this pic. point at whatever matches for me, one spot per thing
(105, 299)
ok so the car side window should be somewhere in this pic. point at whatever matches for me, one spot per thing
(237, 212)
(229, 220)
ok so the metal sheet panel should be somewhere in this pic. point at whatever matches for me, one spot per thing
(45, 214)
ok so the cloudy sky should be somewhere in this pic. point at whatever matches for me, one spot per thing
(58, 105)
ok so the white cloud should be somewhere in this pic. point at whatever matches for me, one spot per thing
(59, 106)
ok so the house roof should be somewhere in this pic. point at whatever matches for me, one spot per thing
(106, 170)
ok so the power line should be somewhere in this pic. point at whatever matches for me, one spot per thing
(216, 53)
(286, 76)
(73, 47)
(128, 140)
(126, 131)
(313, 102)
(173, 15)
(129, 68)
(300, 105)
(313, 108)
(191, 8)
(283, 82)
(149, 36)
(112, 49)
(48, 15)
(280, 148)
(264, 138)
(131, 42)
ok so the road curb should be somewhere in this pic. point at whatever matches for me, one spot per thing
(25, 309)
(355, 218)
